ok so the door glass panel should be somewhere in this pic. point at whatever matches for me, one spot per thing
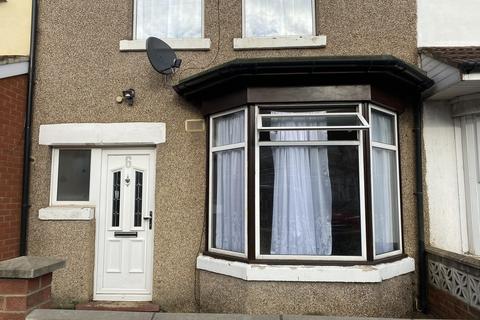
(73, 175)
(138, 199)
(116, 199)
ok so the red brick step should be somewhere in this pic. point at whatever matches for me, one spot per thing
(119, 306)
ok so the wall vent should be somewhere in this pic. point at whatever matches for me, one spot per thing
(195, 125)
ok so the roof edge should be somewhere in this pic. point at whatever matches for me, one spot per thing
(387, 64)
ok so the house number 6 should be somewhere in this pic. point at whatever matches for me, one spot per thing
(128, 161)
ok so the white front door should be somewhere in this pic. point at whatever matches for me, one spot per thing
(124, 244)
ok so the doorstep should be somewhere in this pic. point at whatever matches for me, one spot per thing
(119, 306)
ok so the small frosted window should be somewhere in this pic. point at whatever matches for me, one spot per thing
(73, 175)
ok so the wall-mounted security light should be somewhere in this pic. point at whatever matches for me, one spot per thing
(129, 95)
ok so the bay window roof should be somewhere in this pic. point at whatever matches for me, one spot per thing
(303, 71)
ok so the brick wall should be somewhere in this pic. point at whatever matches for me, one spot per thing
(13, 95)
(18, 297)
(445, 306)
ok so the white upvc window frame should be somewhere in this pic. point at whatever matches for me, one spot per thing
(395, 148)
(281, 41)
(361, 177)
(244, 17)
(364, 124)
(211, 151)
(95, 161)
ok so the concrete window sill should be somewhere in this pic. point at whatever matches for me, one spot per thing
(67, 213)
(176, 44)
(280, 42)
(352, 274)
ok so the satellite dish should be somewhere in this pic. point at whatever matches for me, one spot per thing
(161, 56)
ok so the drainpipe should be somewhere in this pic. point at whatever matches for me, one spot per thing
(422, 265)
(28, 135)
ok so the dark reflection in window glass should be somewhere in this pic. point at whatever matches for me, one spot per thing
(73, 175)
(310, 201)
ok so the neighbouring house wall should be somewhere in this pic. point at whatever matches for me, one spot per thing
(441, 180)
(454, 285)
(80, 71)
(13, 92)
(448, 23)
(15, 27)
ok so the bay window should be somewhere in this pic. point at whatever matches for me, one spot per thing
(309, 198)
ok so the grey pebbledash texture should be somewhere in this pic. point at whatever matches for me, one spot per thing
(29, 267)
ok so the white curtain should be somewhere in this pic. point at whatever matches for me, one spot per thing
(383, 127)
(169, 19)
(302, 195)
(385, 193)
(229, 178)
(470, 130)
(268, 18)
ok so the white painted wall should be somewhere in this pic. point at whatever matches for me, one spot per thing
(448, 23)
(441, 176)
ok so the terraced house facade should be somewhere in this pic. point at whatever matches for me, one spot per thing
(274, 172)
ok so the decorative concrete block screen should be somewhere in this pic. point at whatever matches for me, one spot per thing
(454, 285)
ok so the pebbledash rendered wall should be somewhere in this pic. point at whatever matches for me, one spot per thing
(80, 71)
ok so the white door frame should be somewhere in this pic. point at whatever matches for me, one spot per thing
(101, 208)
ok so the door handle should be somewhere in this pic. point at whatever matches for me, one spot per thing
(149, 218)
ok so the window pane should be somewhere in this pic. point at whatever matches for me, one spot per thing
(470, 126)
(228, 201)
(267, 18)
(310, 201)
(169, 19)
(385, 200)
(383, 127)
(73, 175)
(310, 135)
(229, 129)
(330, 120)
